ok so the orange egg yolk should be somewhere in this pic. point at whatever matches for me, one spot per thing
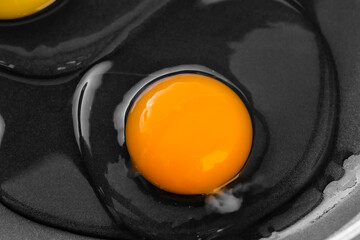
(13, 9)
(189, 134)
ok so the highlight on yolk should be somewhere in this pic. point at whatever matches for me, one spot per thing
(189, 134)
(13, 9)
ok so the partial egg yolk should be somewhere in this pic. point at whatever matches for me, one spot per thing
(13, 9)
(189, 134)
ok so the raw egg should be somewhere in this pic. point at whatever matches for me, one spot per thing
(189, 134)
(268, 50)
(13, 9)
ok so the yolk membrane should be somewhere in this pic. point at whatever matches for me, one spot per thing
(189, 134)
(13, 9)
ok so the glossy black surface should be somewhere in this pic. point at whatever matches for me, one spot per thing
(73, 35)
(268, 49)
(272, 53)
(41, 175)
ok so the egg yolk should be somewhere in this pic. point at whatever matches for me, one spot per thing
(189, 134)
(13, 9)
